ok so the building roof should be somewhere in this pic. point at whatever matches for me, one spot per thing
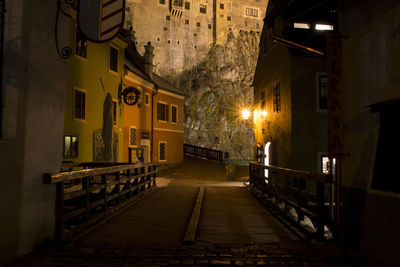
(164, 85)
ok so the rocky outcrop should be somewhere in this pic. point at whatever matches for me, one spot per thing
(217, 89)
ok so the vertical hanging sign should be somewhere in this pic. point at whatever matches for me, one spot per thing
(335, 95)
(101, 20)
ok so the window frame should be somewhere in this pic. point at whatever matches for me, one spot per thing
(166, 112)
(71, 155)
(276, 98)
(165, 150)
(176, 114)
(147, 99)
(187, 3)
(84, 92)
(129, 136)
(251, 12)
(203, 7)
(318, 88)
(84, 58)
(109, 59)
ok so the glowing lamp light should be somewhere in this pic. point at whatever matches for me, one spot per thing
(245, 114)
(301, 25)
(264, 114)
(324, 27)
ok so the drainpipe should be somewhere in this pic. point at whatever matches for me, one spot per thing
(271, 21)
(155, 91)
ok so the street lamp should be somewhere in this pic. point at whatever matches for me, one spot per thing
(245, 114)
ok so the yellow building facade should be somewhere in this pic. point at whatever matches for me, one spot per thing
(94, 70)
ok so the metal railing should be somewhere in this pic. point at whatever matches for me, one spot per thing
(88, 193)
(203, 152)
(296, 196)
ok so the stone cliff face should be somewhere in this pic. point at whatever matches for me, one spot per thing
(217, 89)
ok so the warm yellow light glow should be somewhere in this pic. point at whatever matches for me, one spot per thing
(245, 114)
(264, 113)
(301, 25)
(324, 27)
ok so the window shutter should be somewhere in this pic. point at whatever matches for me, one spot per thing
(159, 111)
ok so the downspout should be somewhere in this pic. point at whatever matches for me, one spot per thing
(152, 120)
(271, 21)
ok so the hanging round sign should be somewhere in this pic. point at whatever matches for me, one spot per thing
(131, 96)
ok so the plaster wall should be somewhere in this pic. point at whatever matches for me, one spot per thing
(31, 144)
(371, 74)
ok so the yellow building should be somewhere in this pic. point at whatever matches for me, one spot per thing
(153, 128)
(94, 70)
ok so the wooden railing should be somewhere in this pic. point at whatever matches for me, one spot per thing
(203, 152)
(85, 194)
(296, 195)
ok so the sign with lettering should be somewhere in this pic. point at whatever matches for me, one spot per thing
(335, 96)
(101, 20)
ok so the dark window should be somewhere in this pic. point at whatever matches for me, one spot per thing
(276, 90)
(162, 112)
(221, 6)
(70, 147)
(168, 17)
(186, 21)
(385, 175)
(229, 18)
(146, 99)
(113, 59)
(165, 29)
(203, 9)
(263, 99)
(79, 105)
(115, 112)
(80, 44)
(195, 34)
(178, 3)
(174, 114)
(162, 2)
(198, 24)
(322, 92)
(209, 26)
(187, 5)
(163, 151)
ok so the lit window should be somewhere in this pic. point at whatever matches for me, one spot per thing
(203, 9)
(70, 147)
(113, 59)
(251, 12)
(132, 136)
(163, 151)
(174, 114)
(162, 111)
(79, 105)
(326, 165)
(80, 44)
(324, 27)
(276, 90)
(301, 25)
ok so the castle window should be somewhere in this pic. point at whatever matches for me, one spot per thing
(229, 18)
(221, 6)
(198, 24)
(186, 21)
(245, 23)
(209, 26)
(178, 42)
(168, 17)
(178, 3)
(221, 16)
(165, 29)
(195, 34)
(187, 5)
(158, 39)
(195, 47)
(162, 2)
(276, 91)
(203, 9)
(169, 41)
(251, 12)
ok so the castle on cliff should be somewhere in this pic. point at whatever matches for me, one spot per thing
(183, 31)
